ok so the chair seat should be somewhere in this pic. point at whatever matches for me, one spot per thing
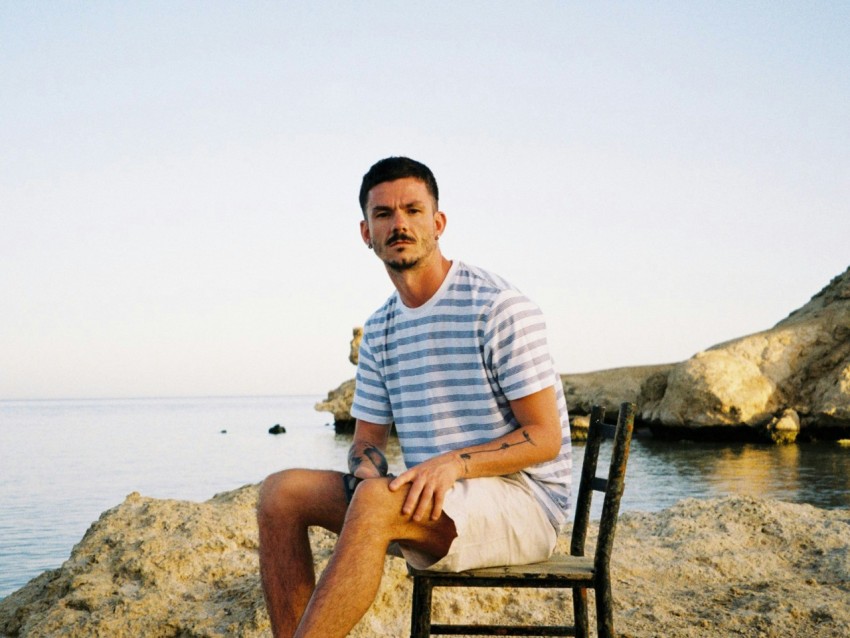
(559, 568)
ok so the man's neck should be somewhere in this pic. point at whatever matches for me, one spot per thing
(417, 285)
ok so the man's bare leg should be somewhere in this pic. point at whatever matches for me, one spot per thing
(290, 502)
(350, 582)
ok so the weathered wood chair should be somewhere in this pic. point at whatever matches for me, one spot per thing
(577, 571)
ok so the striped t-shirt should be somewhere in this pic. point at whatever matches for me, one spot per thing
(445, 372)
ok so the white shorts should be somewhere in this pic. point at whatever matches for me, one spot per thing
(498, 522)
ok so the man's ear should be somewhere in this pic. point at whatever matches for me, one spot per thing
(365, 234)
(440, 222)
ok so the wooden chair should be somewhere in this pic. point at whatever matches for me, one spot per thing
(577, 571)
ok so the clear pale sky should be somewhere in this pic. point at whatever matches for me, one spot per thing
(178, 181)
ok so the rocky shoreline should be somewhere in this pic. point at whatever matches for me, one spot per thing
(788, 383)
(729, 566)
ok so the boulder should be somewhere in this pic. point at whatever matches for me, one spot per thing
(788, 381)
(802, 364)
(608, 388)
(338, 401)
(167, 568)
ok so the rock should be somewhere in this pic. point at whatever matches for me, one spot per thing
(338, 403)
(744, 388)
(579, 426)
(277, 429)
(801, 364)
(784, 428)
(165, 568)
(339, 400)
(609, 388)
(356, 336)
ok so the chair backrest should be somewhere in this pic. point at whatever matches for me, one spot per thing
(612, 486)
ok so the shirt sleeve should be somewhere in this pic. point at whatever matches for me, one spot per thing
(516, 348)
(371, 399)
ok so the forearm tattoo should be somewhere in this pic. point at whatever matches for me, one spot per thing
(375, 456)
(466, 456)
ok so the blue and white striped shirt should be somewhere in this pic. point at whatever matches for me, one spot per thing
(445, 372)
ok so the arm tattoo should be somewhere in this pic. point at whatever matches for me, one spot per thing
(466, 456)
(375, 456)
(378, 459)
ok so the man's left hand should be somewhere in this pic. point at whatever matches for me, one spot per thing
(429, 481)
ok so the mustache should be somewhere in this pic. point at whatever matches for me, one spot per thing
(399, 236)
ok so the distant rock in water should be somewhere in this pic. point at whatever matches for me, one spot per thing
(277, 429)
(789, 382)
(162, 568)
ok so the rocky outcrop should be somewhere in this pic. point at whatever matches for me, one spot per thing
(791, 379)
(164, 569)
(339, 400)
(338, 403)
(608, 387)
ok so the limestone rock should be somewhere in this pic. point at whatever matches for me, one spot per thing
(165, 568)
(356, 337)
(803, 364)
(338, 403)
(609, 388)
(785, 427)
(339, 400)
(743, 387)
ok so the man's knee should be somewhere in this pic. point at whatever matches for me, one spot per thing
(298, 496)
(282, 492)
(374, 500)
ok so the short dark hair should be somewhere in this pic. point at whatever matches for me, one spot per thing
(393, 168)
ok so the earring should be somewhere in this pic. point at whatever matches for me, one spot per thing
(369, 245)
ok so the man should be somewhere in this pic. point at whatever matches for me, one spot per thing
(458, 360)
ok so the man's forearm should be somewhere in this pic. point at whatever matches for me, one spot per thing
(363, 453)
(511, 453)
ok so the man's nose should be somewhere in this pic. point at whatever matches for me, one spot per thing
(399, 220)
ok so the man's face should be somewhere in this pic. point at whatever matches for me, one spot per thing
(402, 223)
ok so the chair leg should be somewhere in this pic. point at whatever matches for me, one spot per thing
(604, 611)
(420, 615)
(580, 612)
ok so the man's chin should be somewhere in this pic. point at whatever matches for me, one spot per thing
(400, 265)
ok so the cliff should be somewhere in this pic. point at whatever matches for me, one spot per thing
(792, 379)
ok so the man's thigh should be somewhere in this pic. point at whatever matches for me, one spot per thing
(498, 522)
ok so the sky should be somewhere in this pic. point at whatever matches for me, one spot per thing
(178, 180)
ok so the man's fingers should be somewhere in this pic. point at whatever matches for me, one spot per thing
(437, 509)
(398, 481)
(412, 499)
(425, 502)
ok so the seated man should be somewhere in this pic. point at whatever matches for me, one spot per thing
(458, 359)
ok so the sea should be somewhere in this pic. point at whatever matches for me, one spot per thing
(64, 462)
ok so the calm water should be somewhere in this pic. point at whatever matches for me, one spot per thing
(62, 463)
